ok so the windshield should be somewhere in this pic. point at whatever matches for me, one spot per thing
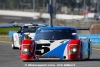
(29, 29)
(54, 34)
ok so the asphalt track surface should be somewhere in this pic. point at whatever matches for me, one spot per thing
(11, 58)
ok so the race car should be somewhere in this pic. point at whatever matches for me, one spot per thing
(26, 29)
(56, 43)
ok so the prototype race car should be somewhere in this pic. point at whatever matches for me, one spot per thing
(56, 43)
(26, 29)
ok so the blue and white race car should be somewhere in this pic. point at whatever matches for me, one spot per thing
(26, 29)
(56, 43)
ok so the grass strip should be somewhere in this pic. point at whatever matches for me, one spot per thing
(5, 31)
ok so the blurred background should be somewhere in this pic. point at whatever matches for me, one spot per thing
(75, 13)
(62, 6)
(86, 11)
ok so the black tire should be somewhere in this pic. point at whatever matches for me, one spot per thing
(81, 55)
(20, 41)
(88, 50)
(12, 45)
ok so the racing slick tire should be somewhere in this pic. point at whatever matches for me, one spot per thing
(12, 45)
(81, 54)
(88, 51)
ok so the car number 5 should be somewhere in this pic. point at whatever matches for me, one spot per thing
(42, 49)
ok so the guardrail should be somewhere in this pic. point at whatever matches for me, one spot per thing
(95, 38)
(43, 15)
(10, 34)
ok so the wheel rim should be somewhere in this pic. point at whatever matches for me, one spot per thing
(12, 43)
(12, 46)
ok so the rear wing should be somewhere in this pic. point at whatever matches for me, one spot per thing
(83, 32)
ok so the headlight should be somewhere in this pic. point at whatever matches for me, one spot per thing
(25, 50)
(74, 50)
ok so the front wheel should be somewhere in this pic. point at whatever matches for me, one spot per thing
(88, 50)
(12, 45)
(81, 52)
